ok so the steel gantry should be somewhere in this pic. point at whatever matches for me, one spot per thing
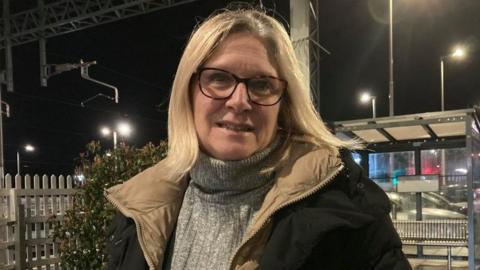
(65, 16)
(316, 53)
(304, 32)
(52, 18)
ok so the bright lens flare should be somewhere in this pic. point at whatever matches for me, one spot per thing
(365, 97)
(458, 53)
(124, 129)
(29, 148)
(105, 131)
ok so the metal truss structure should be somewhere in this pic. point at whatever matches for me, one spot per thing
(65, 16)
(315, 51)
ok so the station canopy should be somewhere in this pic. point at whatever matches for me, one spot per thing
(422, 126)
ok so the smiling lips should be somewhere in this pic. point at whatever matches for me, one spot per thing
(235, 126)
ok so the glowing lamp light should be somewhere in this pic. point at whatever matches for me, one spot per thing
(80, 177)
(461, 170)
(365, 97)
(458, 53)
(29, 148)
(105, 131)
(124, 129)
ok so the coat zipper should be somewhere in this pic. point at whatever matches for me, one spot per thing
(137, 226)
(316, 189)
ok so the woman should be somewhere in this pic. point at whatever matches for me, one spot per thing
(253, 179)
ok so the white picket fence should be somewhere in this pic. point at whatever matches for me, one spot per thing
(26, 205)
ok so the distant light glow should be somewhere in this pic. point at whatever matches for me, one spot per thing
(461, 170)
(80, 178)
(395, 181)
(105, 131)
(357, 158)
(365, 97)
(29, 148)
(124, 129)
(108, 154)
(458, 53)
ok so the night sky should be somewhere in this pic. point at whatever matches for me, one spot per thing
(139, 55)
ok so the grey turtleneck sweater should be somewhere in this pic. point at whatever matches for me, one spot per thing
(219, 204)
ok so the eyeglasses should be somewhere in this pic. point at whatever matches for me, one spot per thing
(220, 84)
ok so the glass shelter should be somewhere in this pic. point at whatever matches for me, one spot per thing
(429, 165)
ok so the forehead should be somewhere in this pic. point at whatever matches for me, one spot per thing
(245, 54)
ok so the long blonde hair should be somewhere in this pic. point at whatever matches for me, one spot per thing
(298, 119)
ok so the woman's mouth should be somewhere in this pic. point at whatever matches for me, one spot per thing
(236, 127)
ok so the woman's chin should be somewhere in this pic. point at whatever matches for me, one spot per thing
(232, 152)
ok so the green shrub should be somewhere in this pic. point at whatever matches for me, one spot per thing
(82, 232)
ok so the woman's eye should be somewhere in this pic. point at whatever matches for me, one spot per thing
(219, 78)
(260, 86)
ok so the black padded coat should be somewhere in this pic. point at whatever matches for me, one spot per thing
(343, 226)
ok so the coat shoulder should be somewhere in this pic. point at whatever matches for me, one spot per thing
(345, 225)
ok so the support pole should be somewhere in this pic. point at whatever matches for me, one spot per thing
(8, 46)
(114, 139)
(374, 110)
(442, 83)
(390, 56)
(2, 161)
(18, 162)
(42, 45)
(43, 62)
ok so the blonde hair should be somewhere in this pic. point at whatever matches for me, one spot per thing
(298, 119)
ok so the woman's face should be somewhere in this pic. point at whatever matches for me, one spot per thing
(235, 128)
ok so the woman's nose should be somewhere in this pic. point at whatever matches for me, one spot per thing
(239, 100)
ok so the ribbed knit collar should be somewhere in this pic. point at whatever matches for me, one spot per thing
(220, 181)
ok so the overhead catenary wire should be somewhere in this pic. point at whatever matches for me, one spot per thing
(78, 105)
(112, 70)
(150, 86)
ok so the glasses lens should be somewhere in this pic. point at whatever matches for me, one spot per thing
(216, 83)
(265, 90)
(219, 84)
(266, 87)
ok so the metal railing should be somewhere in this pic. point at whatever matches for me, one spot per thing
(441, 233)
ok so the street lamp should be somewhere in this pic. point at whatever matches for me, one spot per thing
(365, 98)
(457, 53)
(123, 129)
(26, 148)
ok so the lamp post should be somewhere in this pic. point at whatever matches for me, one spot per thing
(365, 98)
(457, 53)
(106, 132)
(7, 113)
(26, 148)
(390, 57)
(123, 129)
